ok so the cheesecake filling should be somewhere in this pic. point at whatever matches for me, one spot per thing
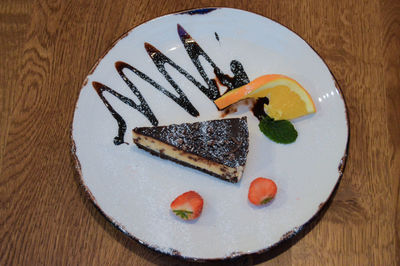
(232, 174)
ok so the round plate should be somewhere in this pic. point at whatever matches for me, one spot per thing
(134, 189)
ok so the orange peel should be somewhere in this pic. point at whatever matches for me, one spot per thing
(287, 98)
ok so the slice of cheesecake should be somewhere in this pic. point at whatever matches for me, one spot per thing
(216, 147)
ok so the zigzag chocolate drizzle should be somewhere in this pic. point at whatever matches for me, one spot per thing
(159, 59)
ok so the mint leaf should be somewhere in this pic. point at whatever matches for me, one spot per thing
(280, 131)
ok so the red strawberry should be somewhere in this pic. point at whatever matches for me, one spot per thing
(188, 206)
(262, 190)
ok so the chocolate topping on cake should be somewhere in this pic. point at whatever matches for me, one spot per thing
(223, 141)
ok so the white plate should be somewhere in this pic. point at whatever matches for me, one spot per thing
(134, 189)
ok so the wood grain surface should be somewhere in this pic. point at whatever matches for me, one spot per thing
(48, 47)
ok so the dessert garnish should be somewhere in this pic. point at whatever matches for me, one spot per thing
(217, 147)
(279, 99)
(188, 206)
(280, 131)
(262, 190)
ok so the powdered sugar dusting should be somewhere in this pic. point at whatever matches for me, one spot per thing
(224, 141)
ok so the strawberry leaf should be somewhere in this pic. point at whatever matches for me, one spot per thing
(182, 213)
(265, 201)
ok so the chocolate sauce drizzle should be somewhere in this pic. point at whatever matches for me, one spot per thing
(194, 51)
(142, 107)
(159, 59)
(239, 76)
(182, 100)
(258, 108)
(216, 36)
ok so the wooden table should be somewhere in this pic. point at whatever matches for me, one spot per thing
(47, 49)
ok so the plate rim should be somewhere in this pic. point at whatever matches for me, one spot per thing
(288, 239)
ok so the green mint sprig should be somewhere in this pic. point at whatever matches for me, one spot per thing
(280, 131)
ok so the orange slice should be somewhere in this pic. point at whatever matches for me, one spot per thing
(287, 98)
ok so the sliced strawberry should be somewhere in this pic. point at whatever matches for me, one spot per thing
(188, 206)
(262, 190)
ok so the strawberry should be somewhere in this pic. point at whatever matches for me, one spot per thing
(188, 206)
(261, 191)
